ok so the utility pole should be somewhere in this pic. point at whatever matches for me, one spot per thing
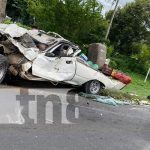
(112, 18)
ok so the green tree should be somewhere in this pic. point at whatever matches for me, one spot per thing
(78, 20)
(142, 54)
(131, 25)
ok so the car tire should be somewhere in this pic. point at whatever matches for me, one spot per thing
(92, 87)
(3, 67)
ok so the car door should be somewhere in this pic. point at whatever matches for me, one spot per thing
(54, 67)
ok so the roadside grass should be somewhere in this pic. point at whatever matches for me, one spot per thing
(136, 92)
(123, 96)
(138, 86)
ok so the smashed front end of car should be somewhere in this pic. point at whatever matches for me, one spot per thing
(22, 46)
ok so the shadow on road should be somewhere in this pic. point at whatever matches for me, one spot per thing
(18, 82)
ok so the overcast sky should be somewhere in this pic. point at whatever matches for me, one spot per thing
(108, 4)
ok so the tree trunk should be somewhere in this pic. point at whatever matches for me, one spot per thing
(2, 9)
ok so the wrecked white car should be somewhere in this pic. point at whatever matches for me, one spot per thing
(40, 56)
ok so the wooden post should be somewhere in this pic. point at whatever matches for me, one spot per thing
(2, 9)
(111, 21)
(147, 75)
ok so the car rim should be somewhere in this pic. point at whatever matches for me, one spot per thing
(94, 87)
(2, 70)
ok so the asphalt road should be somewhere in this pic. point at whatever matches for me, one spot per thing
(37, 116)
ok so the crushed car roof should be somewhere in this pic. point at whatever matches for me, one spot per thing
(27, 40)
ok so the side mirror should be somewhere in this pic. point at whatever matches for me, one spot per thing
(50, 54)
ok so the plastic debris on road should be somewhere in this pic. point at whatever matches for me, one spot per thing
(104, 99)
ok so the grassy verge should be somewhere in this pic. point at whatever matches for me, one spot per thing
(136, 92)
(138, 86)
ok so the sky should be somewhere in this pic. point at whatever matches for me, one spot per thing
(108, 4)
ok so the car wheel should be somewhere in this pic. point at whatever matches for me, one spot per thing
(3, 67)
(92, 87)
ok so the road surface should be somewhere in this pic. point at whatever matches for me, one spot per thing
(41, 117)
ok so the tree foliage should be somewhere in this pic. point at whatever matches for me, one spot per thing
(131, 25)
(78, 20)
(17, 10)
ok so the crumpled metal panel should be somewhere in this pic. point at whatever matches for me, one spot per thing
(15, 59)
(41, 37)
(26, 45)
(7, 46)
(3, 27)
(29, 53)
(54, 69)
(27, 41)
(14, 31)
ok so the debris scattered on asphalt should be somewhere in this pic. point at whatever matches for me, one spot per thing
(104, 99)
(144, 102)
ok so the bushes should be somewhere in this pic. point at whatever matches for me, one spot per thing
(128, 64)
(7, 21)
(142, 55)
(138, 61)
